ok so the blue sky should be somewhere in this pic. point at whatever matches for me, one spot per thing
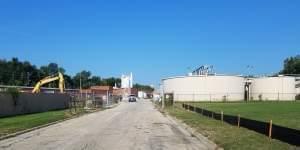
(151, 38)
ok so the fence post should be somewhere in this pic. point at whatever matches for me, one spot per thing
(239, 119)
(270, 129)
(75, 106)
(193, 97)
(70, 106)
(222, 116)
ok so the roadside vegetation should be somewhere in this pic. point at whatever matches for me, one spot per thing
(282, 113)
(14, 124)
(225, 135)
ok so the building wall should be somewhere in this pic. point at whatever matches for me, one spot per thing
(32, 103)
(205, 88)
(273, 88)
(127, 81)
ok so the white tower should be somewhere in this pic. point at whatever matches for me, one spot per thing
(127, 81)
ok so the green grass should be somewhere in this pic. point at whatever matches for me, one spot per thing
(225, 135)
(18, 123)
(281, 113)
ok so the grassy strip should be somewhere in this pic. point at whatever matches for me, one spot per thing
(14, 124)
(225, 135)
(286, 114)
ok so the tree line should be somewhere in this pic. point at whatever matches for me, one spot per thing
(291, 65)
(23, 73)
(145, 88)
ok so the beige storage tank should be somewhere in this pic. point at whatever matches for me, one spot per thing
(205, 88)
(273, 88)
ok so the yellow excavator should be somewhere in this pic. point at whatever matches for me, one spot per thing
(60, 77)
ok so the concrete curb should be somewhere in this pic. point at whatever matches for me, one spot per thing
(193, 132)
(35, 128)
(190, 130)
(46, 125)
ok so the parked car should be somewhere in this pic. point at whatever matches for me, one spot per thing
(132, 99)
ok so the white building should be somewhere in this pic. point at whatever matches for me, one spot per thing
(127, 81)
(273, 88)
(205, 88)
(229, 88)
(142, 94)
(297, 85)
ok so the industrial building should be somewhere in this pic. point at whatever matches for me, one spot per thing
(205, 88)
(273, 88)
(203, 85)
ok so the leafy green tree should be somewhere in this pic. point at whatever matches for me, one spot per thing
(112, 81)
(145, 88)
(50, 70)
(15, 72)
(85, 79)
(291, 65)
(95, 80)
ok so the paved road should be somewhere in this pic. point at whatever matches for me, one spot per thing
(130, 126)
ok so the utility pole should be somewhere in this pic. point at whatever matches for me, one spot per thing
(163, 102)
(13, 78)
(80, 86)
(28, 78)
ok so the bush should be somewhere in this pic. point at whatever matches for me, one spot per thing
(14, 92)
(298, 97)
(260, 97)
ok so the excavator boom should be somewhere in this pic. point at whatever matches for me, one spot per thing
(49, 79)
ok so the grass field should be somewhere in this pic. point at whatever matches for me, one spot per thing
(23, 122)
(282, 113)
(225, 135)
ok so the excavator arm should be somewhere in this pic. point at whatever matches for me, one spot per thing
(49, 79)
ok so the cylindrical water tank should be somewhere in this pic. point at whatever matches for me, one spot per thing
(205, 88)
(273, 88)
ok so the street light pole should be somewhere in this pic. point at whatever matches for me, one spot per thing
(80, 86)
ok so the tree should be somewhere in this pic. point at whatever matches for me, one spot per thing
(96, 80)
(15, 72)
(4, 72)
(69, 83)
(85, 79)
(291, 65)
(112, 82)
(145, 88)
(53, 68)
(50, 70)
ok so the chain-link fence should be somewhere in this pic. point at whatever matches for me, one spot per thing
(93, 101)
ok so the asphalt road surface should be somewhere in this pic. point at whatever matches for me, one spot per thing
(129, 126)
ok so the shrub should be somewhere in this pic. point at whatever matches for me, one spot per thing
(14, 92)
(260, 97)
